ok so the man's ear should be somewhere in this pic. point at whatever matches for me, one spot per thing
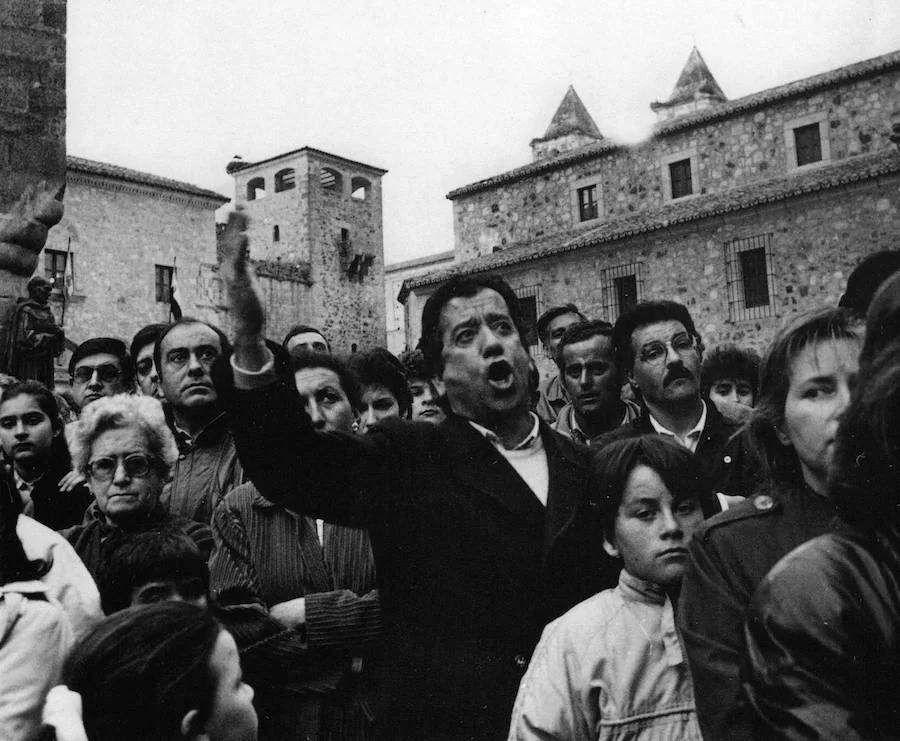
(610, 548)
(189, 726)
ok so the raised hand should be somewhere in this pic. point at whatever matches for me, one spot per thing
(248, 318)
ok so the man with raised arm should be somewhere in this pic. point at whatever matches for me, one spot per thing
(481, 526)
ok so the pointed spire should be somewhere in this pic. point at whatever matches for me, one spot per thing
(696, 89)
(571, 118)
(571, 128)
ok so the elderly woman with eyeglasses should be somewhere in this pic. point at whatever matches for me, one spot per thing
(124, 449)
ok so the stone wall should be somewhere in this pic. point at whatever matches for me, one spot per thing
(119, 233)
(745, 148)
(817, 240)
(32, 122)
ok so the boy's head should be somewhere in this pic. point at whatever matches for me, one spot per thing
(653, 493)
(156, 566)
(731, 373)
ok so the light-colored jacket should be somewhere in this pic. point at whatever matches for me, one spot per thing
(610, 668)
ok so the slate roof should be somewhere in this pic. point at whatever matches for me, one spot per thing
(115, 172)
(806, 86)
(570, 118)
(782, 187)
(694, 79)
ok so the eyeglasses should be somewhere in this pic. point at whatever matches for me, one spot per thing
(144, 366)
(137, 465)
(106, 373)
(654, 353)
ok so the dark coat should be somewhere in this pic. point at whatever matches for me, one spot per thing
(59, 509)
(470, 565)
(730, 555)
(723, 449)
(823, 637)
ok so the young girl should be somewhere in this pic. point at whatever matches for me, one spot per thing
(612, 667)
(31, 436)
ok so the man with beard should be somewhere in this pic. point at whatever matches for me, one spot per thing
(481, 526)
(207, 467)
(658, 346)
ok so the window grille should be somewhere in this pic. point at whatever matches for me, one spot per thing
(531, 305)
(621, 288)
(750, 275)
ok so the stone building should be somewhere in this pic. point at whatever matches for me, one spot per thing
(124, 235)
(748, 211)
(316, 239)
(394, 276)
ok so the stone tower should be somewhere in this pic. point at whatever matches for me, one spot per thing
(316, 238)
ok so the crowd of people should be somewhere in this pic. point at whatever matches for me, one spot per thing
(234, 538)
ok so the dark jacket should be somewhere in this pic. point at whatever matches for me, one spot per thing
(97, 536)
(722, 448)
(59, 509)
(824, 641)
(730, 555)
(470, 565)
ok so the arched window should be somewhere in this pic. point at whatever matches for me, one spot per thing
(331, 180)
(276, 233)
(256, 189)
(284, 179)
(359, 188)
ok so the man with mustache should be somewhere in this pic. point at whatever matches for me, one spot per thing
(482, 527)
(593, 382)
(207, 467)
(660, 350)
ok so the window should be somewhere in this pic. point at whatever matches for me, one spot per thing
(530, 305)
(626, 292)
(359, 188)
(621, 289)
(750, 276)
(55, 268)
(284, 179)
(680, 178)
(806, 140)
(587, 203)
(679, 174)
(586, 198)
(808, 144)
(163, 283)
(256, 189)
(331, 180)
(276, 233)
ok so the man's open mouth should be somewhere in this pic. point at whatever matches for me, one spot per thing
(500, 375)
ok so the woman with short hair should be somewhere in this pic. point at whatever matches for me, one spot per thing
(125, 450)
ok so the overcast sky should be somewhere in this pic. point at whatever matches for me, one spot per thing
(441, 94)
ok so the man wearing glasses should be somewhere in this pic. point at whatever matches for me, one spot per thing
(658, 347)
(100, 367)
(207, 467)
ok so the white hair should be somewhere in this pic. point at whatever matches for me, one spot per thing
(123, 411)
